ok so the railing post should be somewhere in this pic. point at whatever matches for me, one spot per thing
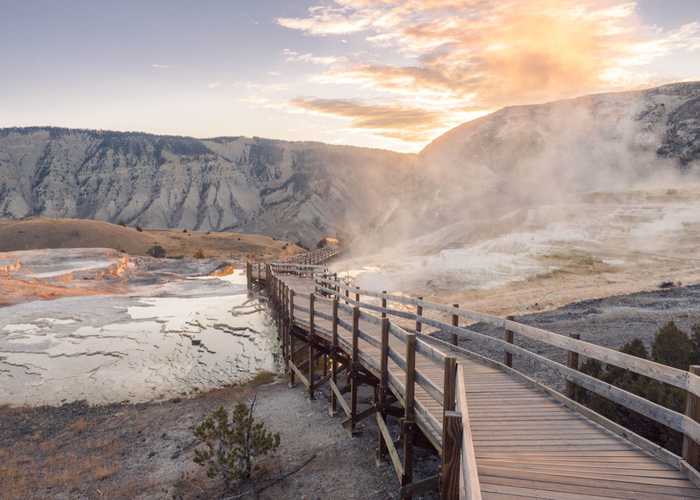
(691, 449)
(355, 365)
(572, 362)
(249, 275)
(290, 352)
(455, 322)
(408, 421)
(312, 302)
(383, 385)
(449, 384)
(419, 313)
(334, 353)
(357, 294)
(383, 303)
(508, 357)
(278, 309)
(347, 296)
(451, 455)
(285, 322)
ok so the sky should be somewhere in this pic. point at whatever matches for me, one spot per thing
(377, 73)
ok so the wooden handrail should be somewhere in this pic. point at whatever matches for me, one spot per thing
(470, 489)
(663, 373)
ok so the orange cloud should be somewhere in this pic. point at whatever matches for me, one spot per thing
(465, 54)
(397, 122)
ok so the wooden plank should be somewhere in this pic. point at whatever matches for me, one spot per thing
(299, 374)
(395, 460)
(339, 397)
(576, 472)
(554, 481)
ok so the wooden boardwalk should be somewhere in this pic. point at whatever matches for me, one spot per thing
(500, 434)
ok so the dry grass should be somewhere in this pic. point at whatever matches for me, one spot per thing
(43, 465)
(79, 425)
(39, 233)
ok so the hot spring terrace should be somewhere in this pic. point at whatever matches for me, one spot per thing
(499, 433)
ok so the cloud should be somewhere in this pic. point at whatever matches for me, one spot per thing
(293, 56)
(160, 66)
(213, 85)
(481, 54)
(395, 121)
(327, 21)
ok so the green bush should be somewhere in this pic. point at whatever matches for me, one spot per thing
(232, 446)
(199, 254)
(156, 251)
(671, 346)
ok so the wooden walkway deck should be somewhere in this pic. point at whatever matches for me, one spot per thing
(515, 439)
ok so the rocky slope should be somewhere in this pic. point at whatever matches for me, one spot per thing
(594, 142)
(515, 157)
(296, 191)
(527, 156)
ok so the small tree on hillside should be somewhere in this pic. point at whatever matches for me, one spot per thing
(672, 347)
(231, 447)
(156, 251)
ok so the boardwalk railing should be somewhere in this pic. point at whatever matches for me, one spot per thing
(389, 359)
(316, 256)
(687, 380)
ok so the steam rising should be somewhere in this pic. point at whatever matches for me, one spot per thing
(530, 190)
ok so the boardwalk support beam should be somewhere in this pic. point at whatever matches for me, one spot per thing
(408, 422)
(354, 371)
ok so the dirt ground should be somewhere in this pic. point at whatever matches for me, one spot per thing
(145, 451)
(40, 233)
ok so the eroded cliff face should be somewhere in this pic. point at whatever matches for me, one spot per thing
(298, 191)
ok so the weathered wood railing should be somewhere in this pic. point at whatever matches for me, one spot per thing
(688, 380)
(316, 256)
(399, 346)
(395, 346)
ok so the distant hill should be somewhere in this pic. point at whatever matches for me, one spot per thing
(586, 143)
(302, 191)
(291, 190)
(38, 233)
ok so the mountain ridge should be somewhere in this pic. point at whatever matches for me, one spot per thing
(303, 190)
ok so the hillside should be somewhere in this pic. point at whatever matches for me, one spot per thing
(39, 233)
(291, 190)
(300, 191)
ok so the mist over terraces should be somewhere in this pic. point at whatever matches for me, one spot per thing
(304, 190)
